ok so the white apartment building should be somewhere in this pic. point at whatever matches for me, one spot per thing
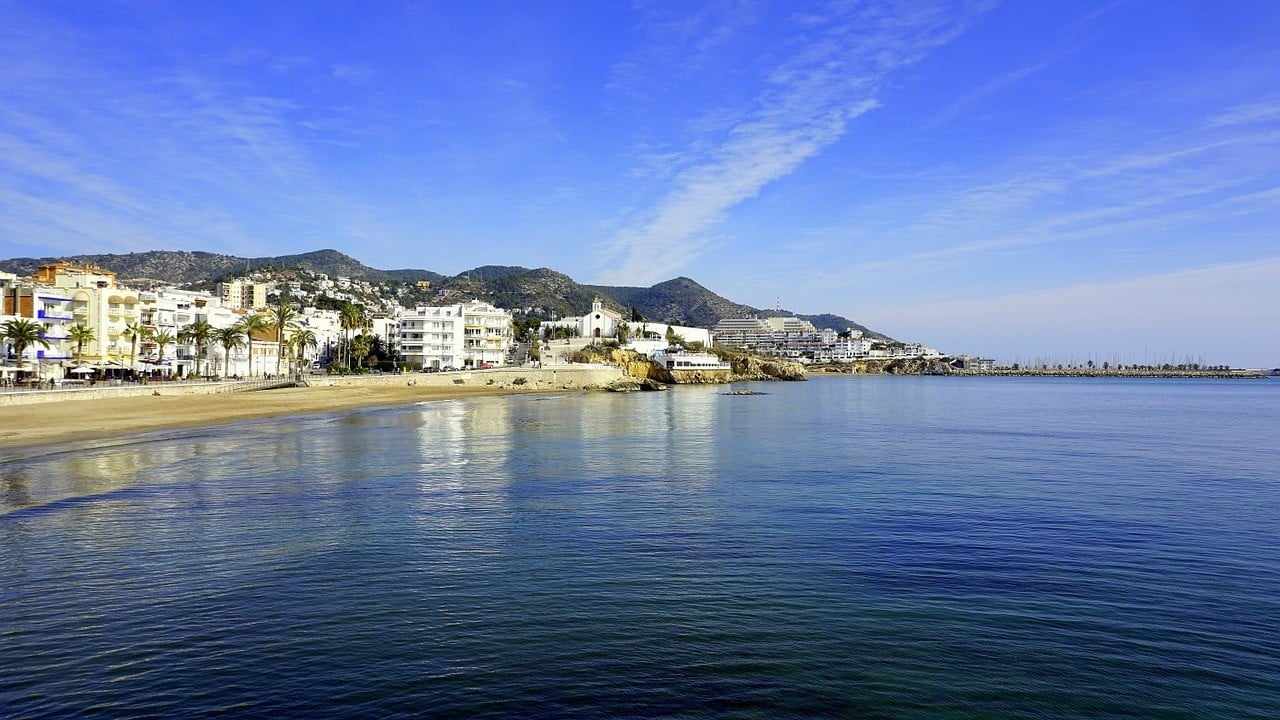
(466, 335)
(844, 350)
(326, 325)
(387, 328)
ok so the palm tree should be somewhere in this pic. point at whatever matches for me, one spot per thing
(163, 338)
(80, 334)
(350, 317)
(250, 324)
(282, 320)
(198, 333)
(361, 346)
(300, 341)
(229, 338)
(133, 331)
(22, 334)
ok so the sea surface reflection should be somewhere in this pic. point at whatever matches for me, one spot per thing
(882, 547)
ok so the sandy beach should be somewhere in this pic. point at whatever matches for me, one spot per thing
(55, 422)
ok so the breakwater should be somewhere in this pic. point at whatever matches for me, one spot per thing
(922, 366)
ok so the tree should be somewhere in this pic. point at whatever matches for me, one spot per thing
(623, 333)
(250, 324)
(300, 341)
(162, 339)
(350, 317)
(282, 319)
(361, 346)
(80, 334)
(635, 315)
(199, 334)
(133, 331)
(229, 338)
(22, 334)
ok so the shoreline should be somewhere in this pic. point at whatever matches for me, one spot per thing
(54, 423)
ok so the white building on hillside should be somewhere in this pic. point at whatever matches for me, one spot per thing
(645, 330)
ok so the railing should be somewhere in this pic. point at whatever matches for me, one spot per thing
(47, 315)
(83, 386)
(261, 384)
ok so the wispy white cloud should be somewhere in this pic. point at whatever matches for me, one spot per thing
(1204, 175)
(832, 76)
(112, 161)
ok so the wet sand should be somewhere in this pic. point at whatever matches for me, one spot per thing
(56, 422)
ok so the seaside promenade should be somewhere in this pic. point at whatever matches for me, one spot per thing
(44, 417)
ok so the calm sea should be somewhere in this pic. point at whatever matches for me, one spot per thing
(866, 547)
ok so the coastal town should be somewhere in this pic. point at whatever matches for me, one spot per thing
(73, 324)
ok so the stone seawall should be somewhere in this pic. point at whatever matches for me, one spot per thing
(31, 397)
(560, 377)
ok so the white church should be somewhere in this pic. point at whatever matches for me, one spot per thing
(600, 323)
(645, 337)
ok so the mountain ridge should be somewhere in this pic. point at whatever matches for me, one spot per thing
(681, 300)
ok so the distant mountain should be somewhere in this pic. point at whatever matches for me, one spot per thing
(681, 301)
(519, 288)
(685, 302)
(182, 268)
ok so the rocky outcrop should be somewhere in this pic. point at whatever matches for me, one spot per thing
(634, 385)
(755, 367)
(744, 367)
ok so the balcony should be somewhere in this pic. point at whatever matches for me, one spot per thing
(53, 315)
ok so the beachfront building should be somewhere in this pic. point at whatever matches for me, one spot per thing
(387, 328)
(847, 348)
(326, 325)
(472, 334)
(51, 309)
(95, 300)
(690, 361)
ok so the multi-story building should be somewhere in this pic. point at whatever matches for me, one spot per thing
(326, 325)
(243, 294)
(51, 309)
(788, 337)
(847, 348)
(94, 299)
(471, 334)
(387, 328)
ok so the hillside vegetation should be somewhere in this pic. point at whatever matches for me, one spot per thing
(680, 301)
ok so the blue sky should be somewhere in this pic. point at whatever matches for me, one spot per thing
(1086, 179)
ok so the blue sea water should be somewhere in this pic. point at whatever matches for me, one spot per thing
(872, 547)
